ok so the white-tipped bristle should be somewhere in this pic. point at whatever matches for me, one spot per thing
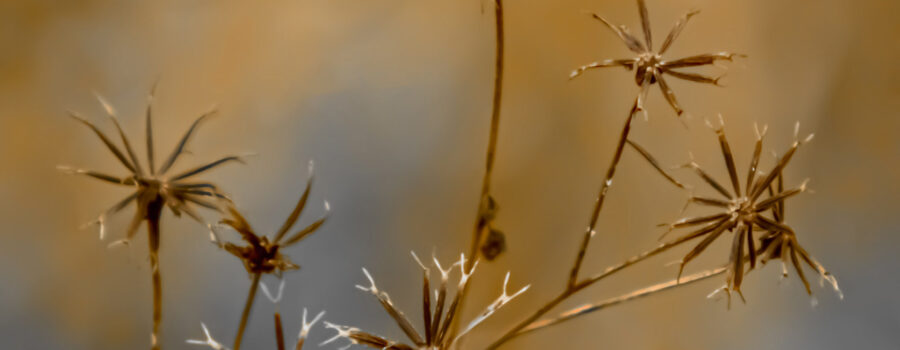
(118, 243)
(445, 274)
(102, 225)
(67, 169)
(419, 261)
(327, 206)
(307, 325)
(310, 168)
(343, 332)
(209, 341)
(276, 298)
(372, 288)
(106, 105)
(834, 284)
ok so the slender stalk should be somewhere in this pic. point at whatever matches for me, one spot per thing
(601, 197)
(279, 332)
(251, 296)
(643, 292)
(481, 221)
(154, 211)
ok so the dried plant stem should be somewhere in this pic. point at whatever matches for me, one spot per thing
(601, 197)
(481, 221)
(643, 292)
(154, 211)
(572, 290)
(279, 332)
(251, 296)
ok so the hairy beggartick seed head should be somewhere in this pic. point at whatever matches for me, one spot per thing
(436, 335)
(154, 187)
(261, 255)
(742, 210)
(649, 65)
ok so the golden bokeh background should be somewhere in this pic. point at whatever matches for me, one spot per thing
(391, 98)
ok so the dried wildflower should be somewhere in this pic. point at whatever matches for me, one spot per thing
(741, 212)
(260, 255)
(649, 65)
(263, 256)
(154, 189)
(436, 322)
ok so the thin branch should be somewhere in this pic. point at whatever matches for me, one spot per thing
(154, 212)
(643, 292)
(601, 197)
(481, 222)
(251, 296)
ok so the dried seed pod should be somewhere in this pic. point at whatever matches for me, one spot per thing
(743, 213)
(263, 256)
(649, 66)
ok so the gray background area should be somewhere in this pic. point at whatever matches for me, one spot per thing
(391, 98)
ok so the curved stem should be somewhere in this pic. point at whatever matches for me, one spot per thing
(154, 211)
(643, 292)
(251, 296)
(480, 221)
(601, 197)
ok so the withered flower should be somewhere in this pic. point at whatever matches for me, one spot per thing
(649, 65)
(436, 322)
(261, 255)
(154, 189)
(741, 212)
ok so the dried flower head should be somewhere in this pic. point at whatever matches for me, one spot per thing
(154, 187)
(649, 65)
(436, 322)
(261, 255)
(740, 212)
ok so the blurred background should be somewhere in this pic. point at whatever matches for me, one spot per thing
(391, 98)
